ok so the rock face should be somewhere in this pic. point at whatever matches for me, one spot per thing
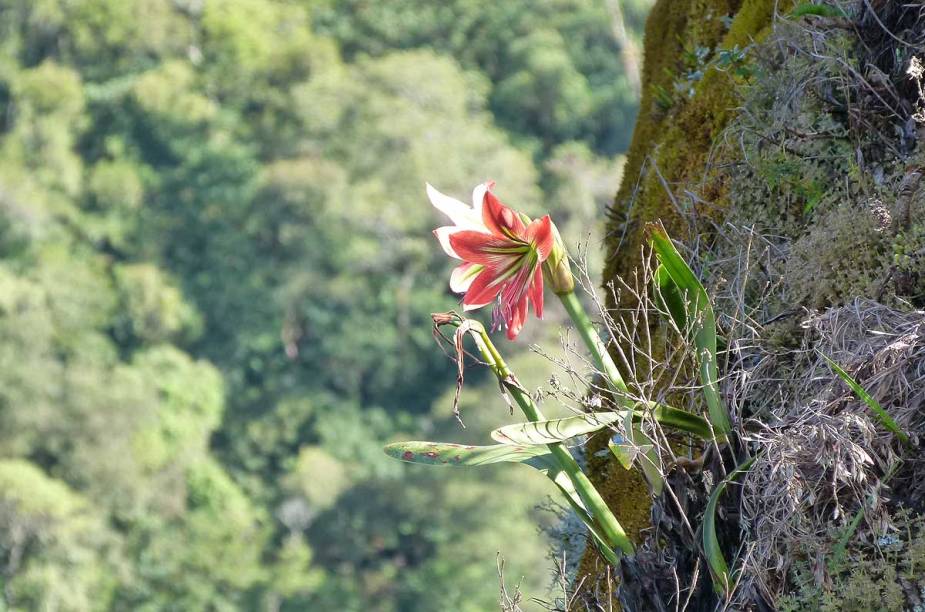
(782, 144)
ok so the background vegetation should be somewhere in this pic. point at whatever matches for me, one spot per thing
(216, 271)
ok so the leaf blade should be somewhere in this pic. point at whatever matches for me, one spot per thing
(449, 454)
(882, 415)
(558, 430)
(555, 430)
(719, 569)
(699, 318)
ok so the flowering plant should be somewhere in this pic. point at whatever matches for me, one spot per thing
(507, 259)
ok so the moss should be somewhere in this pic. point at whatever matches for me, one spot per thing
(862, 577)
(678, 144)
(757, 136)
(844, 254)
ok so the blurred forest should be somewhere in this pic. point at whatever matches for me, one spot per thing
(216, 271)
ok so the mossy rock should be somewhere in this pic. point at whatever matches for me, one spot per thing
(670, 144)
(722, 139)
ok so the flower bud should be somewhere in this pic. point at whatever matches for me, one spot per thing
(556, 269)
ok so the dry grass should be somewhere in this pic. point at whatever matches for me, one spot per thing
(822, 456)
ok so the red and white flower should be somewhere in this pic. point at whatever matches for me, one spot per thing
(502, 252)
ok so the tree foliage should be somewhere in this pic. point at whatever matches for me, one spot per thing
(216, 271)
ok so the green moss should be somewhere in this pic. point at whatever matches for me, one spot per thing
(864, 577)
(844, 254)
(674, 147)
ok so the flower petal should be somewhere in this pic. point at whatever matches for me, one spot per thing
(536, 292)
(443, 235)
(478, 196)
(463, 275)
(461, 215)
(540, 234)
(483, 290)
(501, 220)
(517, 318)
(485, 249)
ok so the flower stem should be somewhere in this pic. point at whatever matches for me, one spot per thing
(599, 352)
(594, 503)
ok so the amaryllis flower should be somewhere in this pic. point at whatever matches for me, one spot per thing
(502, 252)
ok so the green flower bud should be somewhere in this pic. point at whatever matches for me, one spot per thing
(556, 269)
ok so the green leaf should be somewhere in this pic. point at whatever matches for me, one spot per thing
(445, 453)
(882, 415)
(622, 450)
(698, 317)
(555, 430)
(647, 456)
(559, 430)
(630, 452)
(669, 298)
(537, 457)
(678, 419)
(719, 569)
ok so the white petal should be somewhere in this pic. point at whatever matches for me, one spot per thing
(463, 275)
(462, 215)
(443, 235)
(478, 196)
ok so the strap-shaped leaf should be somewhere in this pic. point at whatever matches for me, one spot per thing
(699, 318)
(537, 457)
(882, 415)
(719, 569)
(559, 430)
(445, 453)
(669, 298)
(678, 419)
(555, 430)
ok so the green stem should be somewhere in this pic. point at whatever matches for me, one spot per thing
(592, 500)
(599, 352)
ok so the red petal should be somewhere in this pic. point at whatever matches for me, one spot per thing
(536, 292)
(500, 220)
(481, 248)
(540, 234)
(518, 316)
(482, 292)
